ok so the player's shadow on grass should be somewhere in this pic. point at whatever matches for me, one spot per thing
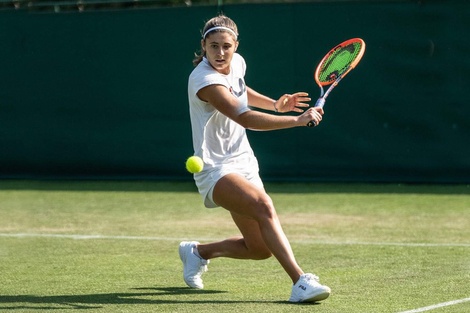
(141, 296)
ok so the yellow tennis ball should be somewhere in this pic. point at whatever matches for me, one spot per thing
(194, 164)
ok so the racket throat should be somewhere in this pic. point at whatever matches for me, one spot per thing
(322, 91)
(321, 101)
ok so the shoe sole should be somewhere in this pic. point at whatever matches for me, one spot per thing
(319, 297)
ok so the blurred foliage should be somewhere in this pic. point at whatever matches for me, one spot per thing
(93, 5)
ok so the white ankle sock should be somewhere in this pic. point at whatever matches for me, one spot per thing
(196, 252)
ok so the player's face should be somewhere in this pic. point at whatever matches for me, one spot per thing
(219, 48)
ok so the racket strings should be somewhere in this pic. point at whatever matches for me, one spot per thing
(339, 61)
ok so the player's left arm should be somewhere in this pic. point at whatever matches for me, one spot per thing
(286, 103)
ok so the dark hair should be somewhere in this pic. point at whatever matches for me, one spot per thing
(220, 20)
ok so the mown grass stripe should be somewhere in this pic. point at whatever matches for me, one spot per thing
(123, 237)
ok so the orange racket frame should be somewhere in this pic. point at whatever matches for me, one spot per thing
(351, 66)
(323, 95)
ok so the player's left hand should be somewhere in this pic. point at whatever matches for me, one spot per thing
(293, 103)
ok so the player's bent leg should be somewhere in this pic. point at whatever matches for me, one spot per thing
(236, 194)
(254, 214)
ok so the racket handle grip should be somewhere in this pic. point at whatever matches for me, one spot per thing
(319, 104)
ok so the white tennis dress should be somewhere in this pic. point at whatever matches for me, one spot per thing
(220, 142)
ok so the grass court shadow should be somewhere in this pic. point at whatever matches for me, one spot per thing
(138, 296)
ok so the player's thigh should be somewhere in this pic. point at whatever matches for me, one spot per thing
(238, 195)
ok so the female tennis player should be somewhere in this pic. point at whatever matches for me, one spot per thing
(220, 109)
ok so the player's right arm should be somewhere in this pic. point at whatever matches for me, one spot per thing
(221, 98)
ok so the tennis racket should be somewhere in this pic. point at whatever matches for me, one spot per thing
(336, 64)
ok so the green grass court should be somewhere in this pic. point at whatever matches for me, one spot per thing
(112, 247)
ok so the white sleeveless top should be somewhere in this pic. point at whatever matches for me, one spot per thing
(220, 142)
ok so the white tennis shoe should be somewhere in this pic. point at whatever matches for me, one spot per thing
(193, 266)
(309, 289)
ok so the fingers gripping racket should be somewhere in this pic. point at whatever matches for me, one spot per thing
(336, 64)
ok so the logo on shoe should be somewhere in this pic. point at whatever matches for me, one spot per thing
(302, 287)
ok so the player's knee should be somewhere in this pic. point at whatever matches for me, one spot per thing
(265, 208)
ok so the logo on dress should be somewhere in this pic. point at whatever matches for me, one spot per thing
(241, 88)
